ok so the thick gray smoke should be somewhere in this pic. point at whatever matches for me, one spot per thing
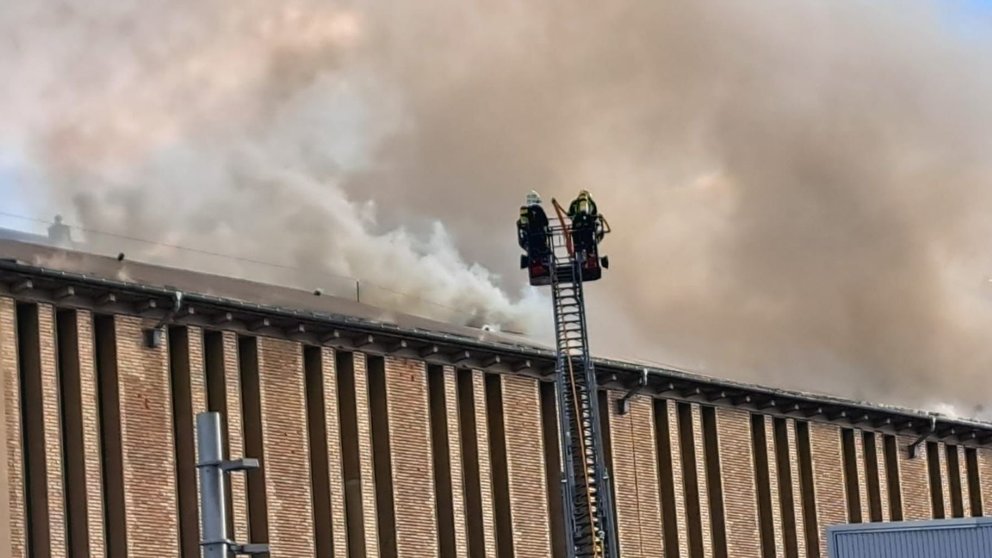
(798, 187)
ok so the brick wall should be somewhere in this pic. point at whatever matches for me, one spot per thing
(455, 459)
(284, 434)
(797, 503)
(365, 456)
(149, 463)
(91, 433)
(52, 431)
(412, 465)
(525, 464)
(635, 476)
(148, 449)
(679, 496)
(14, 526)
(828, 478)
(334, 466)
(235, 433)
(738, 483)
(915, 481)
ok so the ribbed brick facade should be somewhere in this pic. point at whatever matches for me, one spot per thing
(412, 470)
(455, 460)
(91, 433)
(13, 476)
(508, 448)
(525, 464)
(367, 489)
(734, 427)
(828, 478)
(635, 476)
(284, 434)
(915, 481)
(332, 426)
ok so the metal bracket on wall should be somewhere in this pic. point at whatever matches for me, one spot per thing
(623, 405)
(154, 335)
(926, 434)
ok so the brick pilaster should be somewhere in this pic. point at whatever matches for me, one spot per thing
(635, 476)
(147, 443)
(365, 457)
(335, 470)
(883, 476)
(945, 480)
(284, 433)
(485, 467)
(13, 527)
(965, 483)
(410, 449)
(701, 481)
(525, 465)
(677, 476)
(91, 432)
(235, 434)
(773, 486)
(915, 481)
(797, 491)
(740, 498)
(859, 454)
(51, 396)
(455, 457)
(828, 478)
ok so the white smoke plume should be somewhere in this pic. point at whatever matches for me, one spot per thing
(799, 188)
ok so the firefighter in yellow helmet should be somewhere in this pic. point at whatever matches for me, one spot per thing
(586, 222)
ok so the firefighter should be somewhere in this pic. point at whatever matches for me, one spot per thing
(532, 227)
(586, 223)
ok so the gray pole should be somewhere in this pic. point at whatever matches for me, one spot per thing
(213, 514)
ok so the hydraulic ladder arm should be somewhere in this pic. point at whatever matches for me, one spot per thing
(588, 492)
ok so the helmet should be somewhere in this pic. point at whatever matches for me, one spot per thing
(533, 198)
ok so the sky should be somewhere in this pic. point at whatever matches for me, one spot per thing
(797, 187)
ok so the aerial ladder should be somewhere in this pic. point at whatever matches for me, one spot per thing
(587, 492)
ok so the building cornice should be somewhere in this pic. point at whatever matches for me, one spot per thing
(157, 304)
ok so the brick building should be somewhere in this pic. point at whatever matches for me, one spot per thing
(410, 438)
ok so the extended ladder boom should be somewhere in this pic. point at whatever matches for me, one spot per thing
(588, 494)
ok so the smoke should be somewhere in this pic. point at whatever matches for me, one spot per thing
(798, 188)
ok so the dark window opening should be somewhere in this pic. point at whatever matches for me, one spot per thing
(808, 491)
(216, 380)
(382, 462)
(874, 483)
(714, 482)
(974, 484)
(851, 476)
(251, 398)
(351, 466)
(33, 430)
(73, 449)
(497, 455)
(105, 338)
(954, 478)
(443, 494)
(763, 485)
(892, 477)
(182, 421)
(320, 483)
(936, 488)
(666, 480)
